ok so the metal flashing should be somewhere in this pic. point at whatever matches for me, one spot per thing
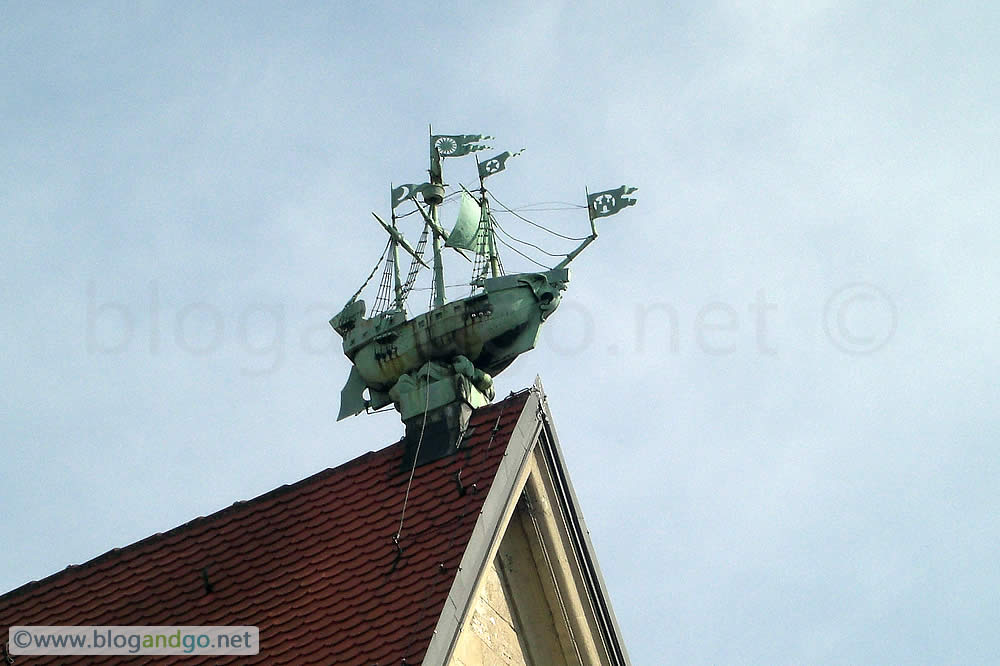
(533, 438)
(486, 534)
(596, 587)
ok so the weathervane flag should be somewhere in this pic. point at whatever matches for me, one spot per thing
(457, 145)
(496, 164)
(404, 192)
(609, 202)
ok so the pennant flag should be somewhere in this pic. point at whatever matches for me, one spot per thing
(404, 192)
(465, 235)
(457, 145)
(610, 202)
(496, 164)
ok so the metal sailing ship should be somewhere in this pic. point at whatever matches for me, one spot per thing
(437, 366)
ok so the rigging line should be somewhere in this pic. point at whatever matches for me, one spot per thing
(518, 215)
(415, 211)
(511, 247)
(524, 209)
(382, 299)
(416, 454)
(411, 277)
(448, 199)
(372, 274)
(524, 242)
(551, 203)
(481, 266)
(490, 222)
(467, 188)
(430, 303)
(447, 286)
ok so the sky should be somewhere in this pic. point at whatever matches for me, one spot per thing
(774, 378)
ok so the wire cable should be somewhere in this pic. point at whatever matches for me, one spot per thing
(416, 454)
(549, 205)
(524, 242)
(372, 274)
(535, 224)
(511, 247)
(447, 286)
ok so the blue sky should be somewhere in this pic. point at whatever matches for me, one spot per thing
(774, 378)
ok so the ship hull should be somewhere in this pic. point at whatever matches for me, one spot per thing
(490, 329)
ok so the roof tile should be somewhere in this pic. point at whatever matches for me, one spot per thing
(312, 564)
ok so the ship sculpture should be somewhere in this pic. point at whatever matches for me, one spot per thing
(437, 366)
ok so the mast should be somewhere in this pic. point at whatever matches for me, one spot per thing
(494, 258)
(433, 199)
(486, 224)
(394, 256)
(438, 264)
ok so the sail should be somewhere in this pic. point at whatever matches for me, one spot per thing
(465, 235)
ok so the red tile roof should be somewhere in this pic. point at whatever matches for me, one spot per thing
(312, 564)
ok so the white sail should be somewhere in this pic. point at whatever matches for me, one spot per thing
(465, 235)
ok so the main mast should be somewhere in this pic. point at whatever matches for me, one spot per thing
(434, 195)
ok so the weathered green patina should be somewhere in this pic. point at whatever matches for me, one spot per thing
(437, 366)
